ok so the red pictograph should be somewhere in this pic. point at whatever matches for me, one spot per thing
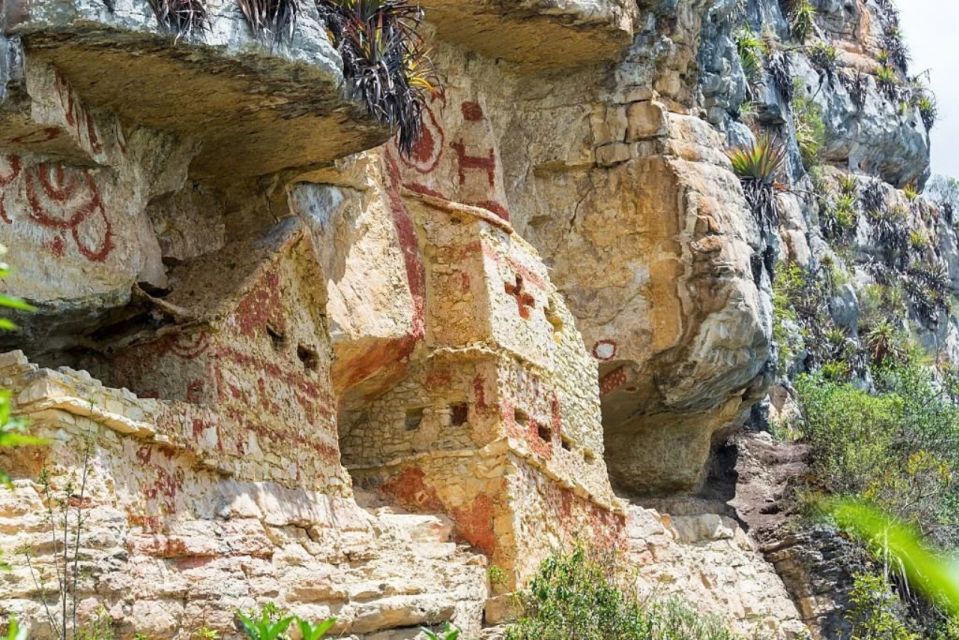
(8, 174)
(524, 301)
(466, 175)
(67, 199)
(76, 116)
(466, 162)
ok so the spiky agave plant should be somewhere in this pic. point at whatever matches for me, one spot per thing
(758, 168)
(384, 60)
(277, 17)
(181, 17)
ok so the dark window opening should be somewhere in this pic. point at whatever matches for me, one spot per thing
(309, 357)
(459, 414)
(544, 432)
(520, 417)
(277, 338)
(414, 418)
(567, 443)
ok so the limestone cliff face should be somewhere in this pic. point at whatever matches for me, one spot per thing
(313, 370)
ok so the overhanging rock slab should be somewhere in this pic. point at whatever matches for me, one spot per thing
(254, 106)
(537, 35)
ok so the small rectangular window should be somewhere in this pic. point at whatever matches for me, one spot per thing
(459, 414)
(414, 418)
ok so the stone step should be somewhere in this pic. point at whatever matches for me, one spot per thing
(420, 528)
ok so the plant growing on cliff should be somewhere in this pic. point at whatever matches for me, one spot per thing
(758, 168)
(897, 447)
(825, 59)
(875, 611)
(579, 596)
(888, 82)
(181, 17)
(779, 67)
(266, 624)
(924, 100)
(384, 60)
(584, 595)
(802, 20)
(449, 632)
(752, 50)
(928, 286)
(810, 126)
(64, 501)
(278, 17)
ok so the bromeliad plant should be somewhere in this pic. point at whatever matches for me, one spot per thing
(758, 168)
(277, 17)
(181, 17)
(384, 59)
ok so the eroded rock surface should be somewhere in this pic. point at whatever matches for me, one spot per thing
(258, 315)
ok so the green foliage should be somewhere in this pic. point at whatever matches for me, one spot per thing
(318, 631)
(787, 334)
(761, 162)
(875, 611)
(449, 632)
(928, 107)
(802, 20)
(271, 623)
(758, 168)
(582, 596)
(206, 633)
(575, 596)
(266, 624)
(901, 546)
(752, 50)
(888, 82)
(825, 59)
(675, 619)
(918, 240)
(897, 447)
(838, 218)
(384, 59)
(15, 631)
(12, 429)
(810, 126)
(99, 628)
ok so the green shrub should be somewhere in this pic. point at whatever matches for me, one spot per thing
(583, 596)
(787, 334)
(577, 596)
(897, 447)
(675, 619)
(876, 612)
(810, 126)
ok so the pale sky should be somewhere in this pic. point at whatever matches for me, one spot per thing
(932, 32)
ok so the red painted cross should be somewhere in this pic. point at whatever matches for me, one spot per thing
(524, 301)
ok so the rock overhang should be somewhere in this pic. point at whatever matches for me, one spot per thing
(254, 107)
(537, 35)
